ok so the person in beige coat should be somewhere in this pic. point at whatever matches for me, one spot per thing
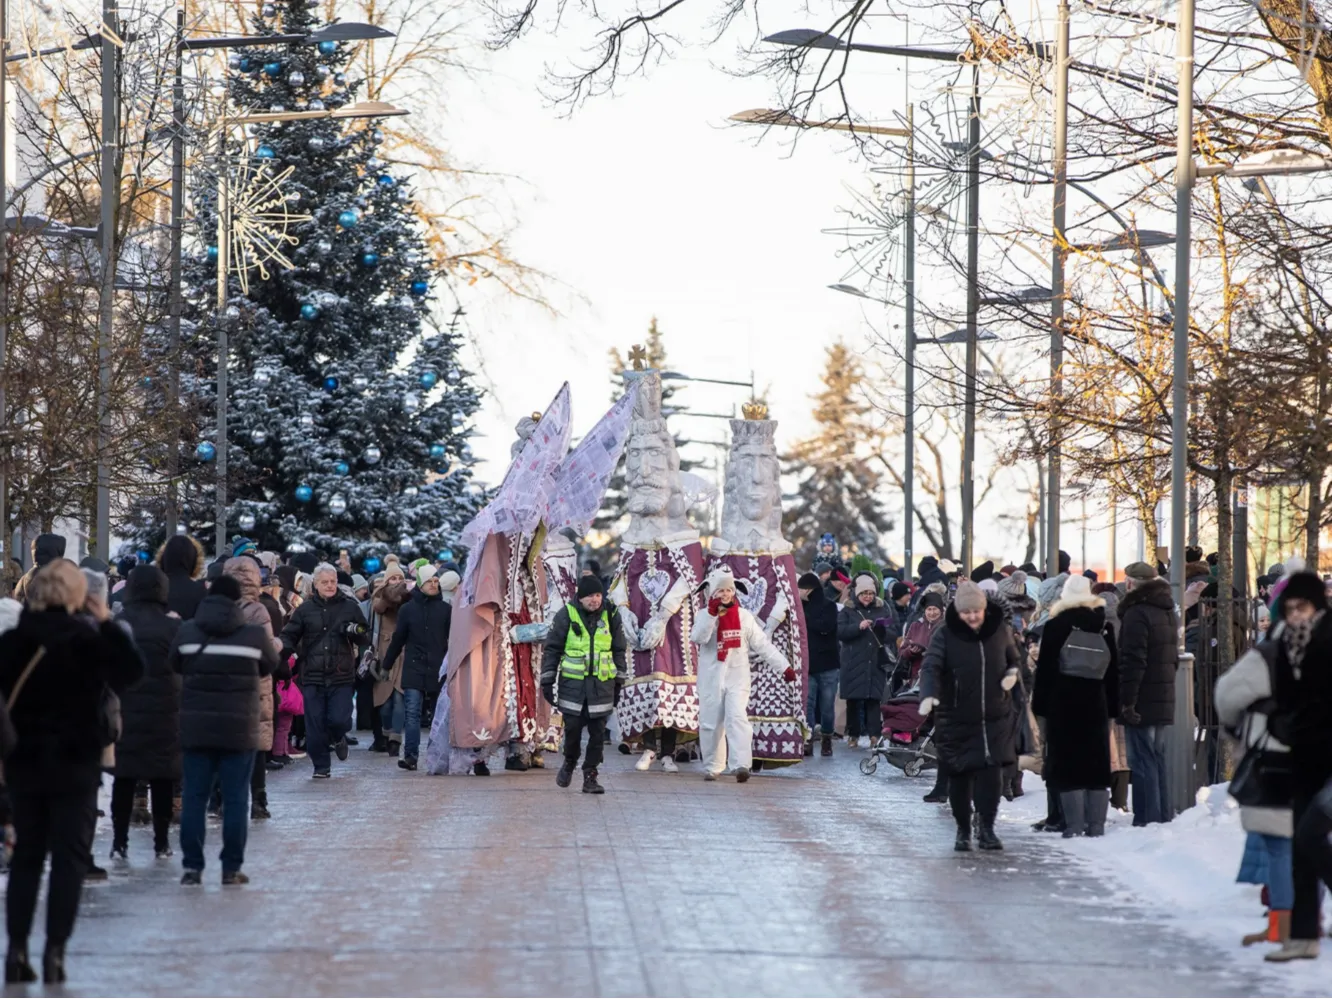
(387, 601)
(245, 570)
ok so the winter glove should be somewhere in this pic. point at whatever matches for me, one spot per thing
(653, 634)
(714, 606)
(1010, 680)
(927, 705)
(790, 675)
(1129, 716)
(548, 692)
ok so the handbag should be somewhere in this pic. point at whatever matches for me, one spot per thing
(290, 699)
(1263, 777)
(1085, 655)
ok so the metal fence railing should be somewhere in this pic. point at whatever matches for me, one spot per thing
(1202, 638)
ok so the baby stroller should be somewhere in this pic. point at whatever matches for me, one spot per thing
(906, 737)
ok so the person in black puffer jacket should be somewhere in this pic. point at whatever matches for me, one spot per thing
(824, 661)
(220, 658)
(182, 559)
(969, 670)
(326, 634)
(54, 772)
(422, 637)
(868, 645)
(1148, 656)
(149, 744)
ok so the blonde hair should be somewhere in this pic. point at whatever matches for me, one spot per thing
(59, 584)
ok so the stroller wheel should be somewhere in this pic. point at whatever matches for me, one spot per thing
(869, 764)
(914, 768)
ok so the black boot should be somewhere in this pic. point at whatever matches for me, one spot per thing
(590, 785)
(380, 745)
(985, 837)
(515, 762)
(963, 842)
(17, 966)
(565, 777)
(394, 747)
(53, 964)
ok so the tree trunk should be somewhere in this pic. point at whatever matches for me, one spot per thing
(1314, 521)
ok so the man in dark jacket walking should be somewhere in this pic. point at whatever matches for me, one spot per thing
(149, 744)
(583, 671)
(326, 634)
(1148, 655)
(824, 662)
(422, 637)
(220, 659)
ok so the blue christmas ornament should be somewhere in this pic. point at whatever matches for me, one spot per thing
(331, 383)
(341, 467)
(438, 451)
(304, 493)
(370, 259)
(272, 68)
(446, 555)
(245, 66)
(349, 218)
(144, 556)
(386, 181)
(419, 288)
(309, 310)
(428, 379)
(327, 48)
(205, 451)
(147, 380)
(371, 565)
(212, 254)
(265, 153)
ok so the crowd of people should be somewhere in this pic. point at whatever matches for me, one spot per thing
(1074, 678)
(186, 682)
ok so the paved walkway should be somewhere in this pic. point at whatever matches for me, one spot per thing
(816, 881)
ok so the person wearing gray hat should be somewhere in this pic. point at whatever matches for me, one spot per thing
(969, 671)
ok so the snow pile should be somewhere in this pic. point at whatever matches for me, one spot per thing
(1183, 871)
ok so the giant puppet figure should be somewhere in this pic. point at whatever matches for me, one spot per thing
(661, 563)
(752, 547)
(493, 697)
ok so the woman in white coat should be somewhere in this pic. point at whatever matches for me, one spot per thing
(726, 636)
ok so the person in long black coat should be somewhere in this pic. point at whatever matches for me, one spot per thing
(824, 662)
(149, 745)
(54, 772)
(969, 670)
(1077, 712)
(867, 636)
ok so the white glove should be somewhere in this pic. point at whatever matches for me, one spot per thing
(1010, 680)
(927, 705)
(653, 634)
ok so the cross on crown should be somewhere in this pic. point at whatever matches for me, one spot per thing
(638, 356)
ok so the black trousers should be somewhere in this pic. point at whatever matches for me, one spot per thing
(1311, 861)
(863, 717)
(367, 716)
(259, 779)
(574, 726)
(56, 816)
(122, 806)
(980, 786)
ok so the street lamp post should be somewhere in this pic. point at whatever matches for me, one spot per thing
(110, 195)
(1053, 461)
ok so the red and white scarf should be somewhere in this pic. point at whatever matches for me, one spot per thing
(729, 633)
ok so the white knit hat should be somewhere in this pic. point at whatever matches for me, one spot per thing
(865, 583)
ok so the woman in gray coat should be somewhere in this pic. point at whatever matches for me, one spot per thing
(866, 635)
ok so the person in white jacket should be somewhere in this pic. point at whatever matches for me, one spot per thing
(726, 636)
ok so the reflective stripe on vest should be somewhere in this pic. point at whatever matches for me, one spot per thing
(578, 644)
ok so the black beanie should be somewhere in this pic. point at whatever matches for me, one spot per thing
(808, 581)
(1303, 586)
(588, 585)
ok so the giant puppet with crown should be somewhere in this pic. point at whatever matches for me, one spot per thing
(661, 564)
(751, 546)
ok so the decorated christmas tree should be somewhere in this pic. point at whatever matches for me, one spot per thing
(348, 407)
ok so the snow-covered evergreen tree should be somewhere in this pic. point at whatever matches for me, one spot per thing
(837, 486)
(348, 406)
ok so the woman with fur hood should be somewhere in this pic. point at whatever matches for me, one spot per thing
(970, 669)
(388, 697)
(1077, 709)
(182, 559)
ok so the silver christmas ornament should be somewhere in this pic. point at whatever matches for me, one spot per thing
(377, 134)
(337, 504)
(245, 521)
(410, 492)
(262, 377)
(306, 421)
(259, 436)
(316, 105)
(371, 455)
(360, 382)
(296, 78)
(322, 72)
(324, 246)
(411, 402)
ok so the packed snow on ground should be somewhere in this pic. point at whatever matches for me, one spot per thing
(1184, 871)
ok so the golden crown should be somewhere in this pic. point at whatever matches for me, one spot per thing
(755, 409)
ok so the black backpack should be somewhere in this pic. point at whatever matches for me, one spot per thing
(1085, 655)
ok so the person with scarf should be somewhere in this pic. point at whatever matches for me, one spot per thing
(868, 642)
(1303, 721)
(727, 637)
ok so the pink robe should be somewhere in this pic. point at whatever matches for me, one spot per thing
(663, 690)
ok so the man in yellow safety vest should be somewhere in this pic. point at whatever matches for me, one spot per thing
(582, 672)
